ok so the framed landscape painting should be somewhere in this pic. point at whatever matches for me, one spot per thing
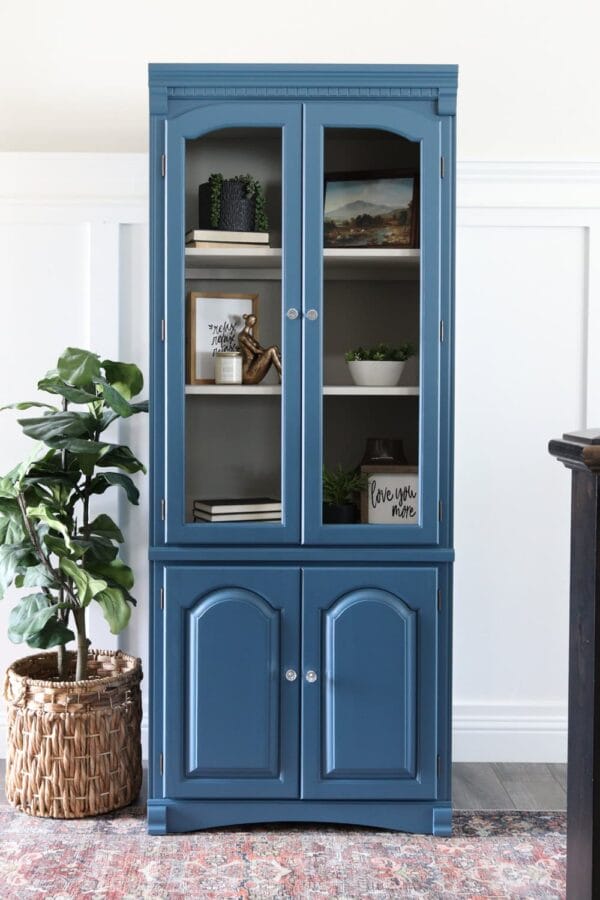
(371, 210)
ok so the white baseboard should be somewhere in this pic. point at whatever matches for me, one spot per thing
(502, 733)
(510, 733)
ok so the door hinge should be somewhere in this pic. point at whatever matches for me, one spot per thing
(161, 763)
(163, 507)
(439, 599)
(162, 598)
(163, 165)
(441, 331)
(442, 167)
(439, 765)
(440, 510)
(163, 330)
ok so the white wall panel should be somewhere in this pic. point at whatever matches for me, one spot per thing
(73, 269)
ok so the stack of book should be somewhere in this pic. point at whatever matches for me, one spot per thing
(248, 509)
(211, 239)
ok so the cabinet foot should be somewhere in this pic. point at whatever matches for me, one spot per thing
(157, 817)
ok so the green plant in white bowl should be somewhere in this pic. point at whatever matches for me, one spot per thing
(378, 366)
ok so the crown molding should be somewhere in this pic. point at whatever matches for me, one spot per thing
(303, 82)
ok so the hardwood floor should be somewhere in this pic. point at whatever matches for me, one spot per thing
(526, 786)
(509, 786)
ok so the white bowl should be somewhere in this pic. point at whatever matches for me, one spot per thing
(371, 373)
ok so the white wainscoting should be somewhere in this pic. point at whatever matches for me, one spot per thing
(73, 269)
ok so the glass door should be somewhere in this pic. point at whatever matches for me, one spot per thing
(233, 327)
(371, 324)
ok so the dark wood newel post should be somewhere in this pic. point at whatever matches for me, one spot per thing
(580, 452)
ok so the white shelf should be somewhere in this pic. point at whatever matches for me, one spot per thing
(343, 390)
(247, 258)
(246, 390)
(265, 262)
(330, 390)
(371, 257)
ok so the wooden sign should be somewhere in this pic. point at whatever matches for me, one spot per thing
(391, 496)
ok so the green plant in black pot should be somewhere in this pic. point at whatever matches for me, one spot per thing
(340, 487)
(232, 204)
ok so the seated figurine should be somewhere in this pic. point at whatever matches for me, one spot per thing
(256, 360)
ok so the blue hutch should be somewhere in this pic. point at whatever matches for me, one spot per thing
(301, 667)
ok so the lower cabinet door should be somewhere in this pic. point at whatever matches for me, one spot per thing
(231, 714)
(369, 677)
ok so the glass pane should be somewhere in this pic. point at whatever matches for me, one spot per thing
(371, 305)
(233, 285)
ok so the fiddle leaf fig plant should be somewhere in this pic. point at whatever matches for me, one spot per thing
(50, 541)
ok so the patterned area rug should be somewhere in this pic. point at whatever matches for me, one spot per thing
(490, 854)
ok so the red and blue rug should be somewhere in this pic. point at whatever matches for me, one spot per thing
(490, 854)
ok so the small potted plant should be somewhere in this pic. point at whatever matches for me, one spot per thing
(379, 366)
(232, 204)
(73, 718)
(340, 487)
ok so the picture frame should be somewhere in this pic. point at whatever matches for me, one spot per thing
(388, 218)
(391, 496)
(213, 322)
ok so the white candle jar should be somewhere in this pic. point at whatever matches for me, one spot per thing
(228, 367)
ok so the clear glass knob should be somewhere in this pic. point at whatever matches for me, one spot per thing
(311, 676)
(292, 313)
(312, 314)
(290, 675)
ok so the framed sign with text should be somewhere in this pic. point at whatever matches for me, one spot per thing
(390, 496)
(214, 322)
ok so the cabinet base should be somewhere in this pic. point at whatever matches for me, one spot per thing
(171, 816)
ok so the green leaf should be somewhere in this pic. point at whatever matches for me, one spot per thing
(104, 526)
(120, 456)
(116, 572)
(54, 385)
(87, 586)
(98, 550)
(114, 398)
(35, 576)
(13, 561)
(30, 616)
(8, 487)
(28, 405)
(109, 415)
(12, 527)
(115, 609)
(43, 514)
(57, 546)
(103, 480)
(58, 426)
(78, 367)
(124, 377)
(53, 634)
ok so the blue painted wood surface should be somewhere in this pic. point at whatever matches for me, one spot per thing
(369, 722)
(231, 719)
(186, 127)
(370, 600)
(398, 119)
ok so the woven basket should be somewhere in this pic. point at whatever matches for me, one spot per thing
(74, 747)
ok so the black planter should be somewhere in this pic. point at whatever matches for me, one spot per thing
(339, 515)
(237, 210)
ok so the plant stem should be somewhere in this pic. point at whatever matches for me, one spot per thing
(61, 661)
(82, 645)
(55, 574)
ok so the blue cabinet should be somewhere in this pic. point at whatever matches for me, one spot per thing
(301, 519)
